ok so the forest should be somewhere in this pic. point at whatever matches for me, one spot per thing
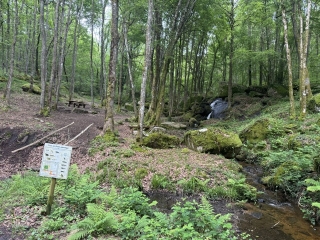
(164, 61)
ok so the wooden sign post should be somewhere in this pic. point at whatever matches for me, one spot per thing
(55, 164)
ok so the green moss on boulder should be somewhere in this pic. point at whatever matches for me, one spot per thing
(35, 89)
(214, 140)
(160, 140)
(256, 132)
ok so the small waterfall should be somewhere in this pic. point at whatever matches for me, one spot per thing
(218, 107)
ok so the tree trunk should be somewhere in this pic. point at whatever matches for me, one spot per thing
(290, 80)
(147, 64)
(103, 54)
(125, 36)
(13, 49)
(63, 43)
(74, 53)
(109, 121)
(305, 90)
(43, 58)
(54, 54)
(91, 58)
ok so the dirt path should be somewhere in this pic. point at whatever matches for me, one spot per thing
(20, 125)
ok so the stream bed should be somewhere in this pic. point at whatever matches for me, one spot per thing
(273, 217)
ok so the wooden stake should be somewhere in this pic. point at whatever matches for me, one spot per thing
(51, 194)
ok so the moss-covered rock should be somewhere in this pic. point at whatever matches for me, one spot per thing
(173, 125)
(314, 103)
(35, 88)
(256, 132)
(160, 140)
(214, 140)
(278, 89)
(297, 141)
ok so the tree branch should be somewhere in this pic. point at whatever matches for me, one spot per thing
(17, 150)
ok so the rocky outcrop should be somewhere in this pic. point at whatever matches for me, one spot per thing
(214, 140)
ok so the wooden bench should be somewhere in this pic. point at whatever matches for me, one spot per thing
(76, 103)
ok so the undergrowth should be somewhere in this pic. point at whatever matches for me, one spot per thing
(83, 210)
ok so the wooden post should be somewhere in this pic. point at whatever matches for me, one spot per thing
(51, 194)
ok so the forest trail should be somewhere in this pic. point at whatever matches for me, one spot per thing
(20, 125)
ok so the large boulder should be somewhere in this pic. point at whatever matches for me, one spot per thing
(256, 132)
(214, 140)
(35, 88)
(160, 140)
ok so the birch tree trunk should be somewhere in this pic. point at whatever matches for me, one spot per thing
(109, 121)
(147, 64)
(305, 90)
(290, 80)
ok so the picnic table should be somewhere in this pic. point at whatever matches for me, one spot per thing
(76, 103)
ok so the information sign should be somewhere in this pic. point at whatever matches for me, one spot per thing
(55, 161)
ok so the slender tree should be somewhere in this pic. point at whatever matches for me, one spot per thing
(7, 93)
(109, 121)
(290, 80)
(147, 64)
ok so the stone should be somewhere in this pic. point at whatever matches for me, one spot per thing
(256, 132)
(36, 89)
(160, 140)
(173, 125)
(214, 141)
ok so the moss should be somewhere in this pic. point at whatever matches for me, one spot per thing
(214, 140)
(35, 88)
(45, 112)
(160, 140)
(256, 132)
(314, 103)
(281, 90)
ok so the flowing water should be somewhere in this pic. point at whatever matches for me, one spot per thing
(272, 218)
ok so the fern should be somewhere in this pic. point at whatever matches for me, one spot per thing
(99, 221)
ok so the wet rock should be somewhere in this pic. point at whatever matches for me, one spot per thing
(257, 215)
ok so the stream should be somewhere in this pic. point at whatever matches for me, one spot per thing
(272, 218)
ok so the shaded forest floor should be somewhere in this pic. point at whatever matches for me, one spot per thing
(21, 125)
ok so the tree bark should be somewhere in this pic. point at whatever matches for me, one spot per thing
(290, 80)
(147, 64)
(43, 58)
(109, 121)
(125, 36)
(7, 93)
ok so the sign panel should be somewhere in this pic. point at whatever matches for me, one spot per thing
(55, 161)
